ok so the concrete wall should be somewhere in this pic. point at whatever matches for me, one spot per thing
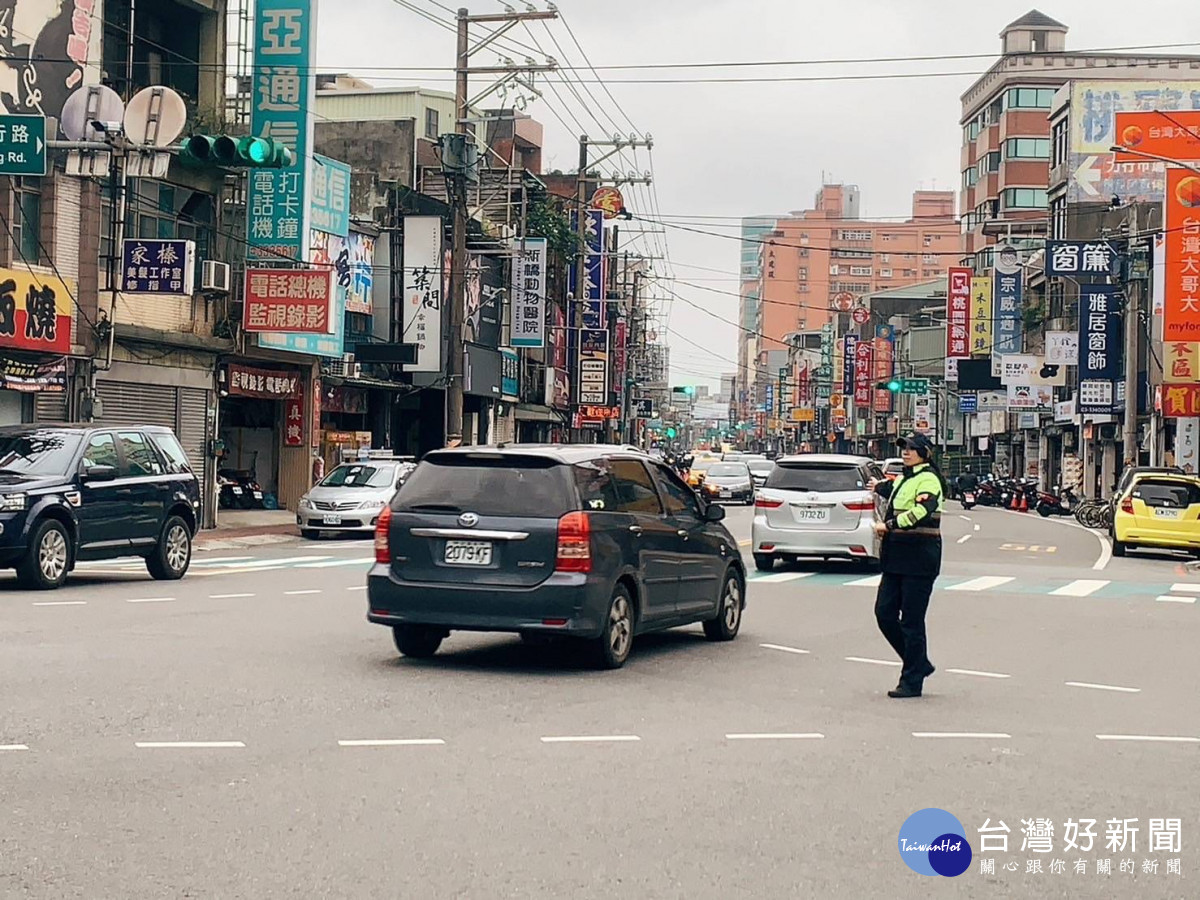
(378, 151)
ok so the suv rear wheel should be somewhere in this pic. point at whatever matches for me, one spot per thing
(48, 558)
(612, 647)
(764, 562)
(417, 641)
(724, 626)
(172, 555)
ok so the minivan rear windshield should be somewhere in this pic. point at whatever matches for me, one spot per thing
(815, 477)
(501, 486)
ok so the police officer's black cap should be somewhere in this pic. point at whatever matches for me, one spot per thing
(917, 441)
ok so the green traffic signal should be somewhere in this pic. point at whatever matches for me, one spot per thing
(894, 385)
(670, 432)
(205, 150)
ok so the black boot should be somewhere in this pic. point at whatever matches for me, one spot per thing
(904, 692)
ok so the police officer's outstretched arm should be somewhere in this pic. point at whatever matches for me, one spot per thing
(882, 487)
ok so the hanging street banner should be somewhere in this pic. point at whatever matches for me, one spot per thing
(33, 377)
(425, 286)
(1062, 348)
(958, 315)
(266, 384)
(35, 312)
(885, 365)
(1084, 261)
(864, 360)
(158, 267)
(330, 196)
(1100, 353)
(981, 315)
(529, 293)
(968, 404)
(1181, 362)
(593, 367)
(283, 90)
(850, 361)
(1181, 297)
(589, 296)
(1174, 134)
(1181, 400)
(1010, 325)
(297, 301)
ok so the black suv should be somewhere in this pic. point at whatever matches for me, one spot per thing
(589, 542)
(81, 492)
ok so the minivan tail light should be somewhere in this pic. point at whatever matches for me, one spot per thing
(1127, 506)
(574, 543)
(383, 529)
(761, 502)
(859, 505)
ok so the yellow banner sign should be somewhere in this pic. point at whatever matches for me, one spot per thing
(1181, 363)
(981, 315)
(804, 415)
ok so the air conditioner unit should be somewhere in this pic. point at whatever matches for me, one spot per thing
(214, 276)
(354, 370)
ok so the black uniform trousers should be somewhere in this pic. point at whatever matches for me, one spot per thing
(900, 607)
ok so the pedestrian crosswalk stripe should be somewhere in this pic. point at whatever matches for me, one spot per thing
(984, 583)
(1167, 598)
(776, 577)
(1186, 588)
(1083, 587)
(337, 562)
(872, 581)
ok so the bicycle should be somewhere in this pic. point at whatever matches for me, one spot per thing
(1094, 514)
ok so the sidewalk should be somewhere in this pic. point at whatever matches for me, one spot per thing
(239, 528)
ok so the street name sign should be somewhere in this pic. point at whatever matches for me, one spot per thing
(22, 145)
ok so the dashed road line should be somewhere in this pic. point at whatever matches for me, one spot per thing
(590, 739)
(395, 742)
(12, 748)
(983, 583)
(189, 745)
(777, 577)
(1161, 738)
(873, 662)
(998, 735)
(357, 587)
(965, 518)
(61, 603)
(358, 561)
(300, 593)
(782, 736)
(978, 673)
(1081, 587)
(964, 538)
(230, 596)
(151, 600)
(977, 528)
(783, 649)
(1170, 598)
(1103, 687)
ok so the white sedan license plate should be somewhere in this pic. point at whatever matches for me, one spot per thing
(810, 513)
(1161, 513)
(468, 553)
(331, 520)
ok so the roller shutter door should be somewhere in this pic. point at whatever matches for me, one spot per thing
(192, 428)
(136, 404)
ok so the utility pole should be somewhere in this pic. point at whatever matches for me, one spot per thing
(457, 189)
(1132, 327)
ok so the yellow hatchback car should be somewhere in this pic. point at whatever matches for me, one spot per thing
(1159, 510)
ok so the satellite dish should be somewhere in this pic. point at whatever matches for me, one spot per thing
(155, 117)
(95, 103)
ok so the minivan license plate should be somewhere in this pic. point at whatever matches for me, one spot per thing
(810, 513)
(468, 553)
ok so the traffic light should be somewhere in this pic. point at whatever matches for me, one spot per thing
(892, 385)
(204, 150)
(686, 389)
(671, 431)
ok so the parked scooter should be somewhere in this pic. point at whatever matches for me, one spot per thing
(240, 488)
(1062, 503)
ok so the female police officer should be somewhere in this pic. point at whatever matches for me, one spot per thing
(910, 559)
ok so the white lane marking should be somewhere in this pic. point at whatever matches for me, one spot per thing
(977, 528)
(874, 662)
(782, 576)
(979, 673)
(357, 587)
(965, 518)
(1081, 587)
(189, 745)
(62, 603)
(869, 581)
(590, 738)
(337, 562)
(286, 561)
(229, 596)
(960, 734)
(775, 737)
(964, 538)
(1186, 588)
(1102, 687)
(1149, 737)
(983, 583)
(1167, 598)
(783, 648)
(300, 593)
(1105, 556)
(401, 742)
(221, 560)
(152, 600)
(5, 748)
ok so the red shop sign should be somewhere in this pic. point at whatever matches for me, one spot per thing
(289, 301)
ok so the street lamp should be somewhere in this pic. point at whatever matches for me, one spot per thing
(1118, 148)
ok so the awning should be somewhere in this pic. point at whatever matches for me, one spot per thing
(535, 412)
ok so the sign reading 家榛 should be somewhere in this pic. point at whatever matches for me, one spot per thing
(289, 301)
(330, 196)
(424, 287)
(529, 293)
(593, 367)
(282, 91)
(1082, 260)
(958, 315)
(35, 312)
(158, 267)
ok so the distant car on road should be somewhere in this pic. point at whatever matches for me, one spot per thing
(574, 541)
(1158, 509)
(71, 493)
(760, 469)
(729, 481)
(893, 467)
(351, 497)
(817, 505)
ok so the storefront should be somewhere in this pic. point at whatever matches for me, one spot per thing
(36, 324)
(32, 390)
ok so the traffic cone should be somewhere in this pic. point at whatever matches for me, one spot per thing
(1024, 507)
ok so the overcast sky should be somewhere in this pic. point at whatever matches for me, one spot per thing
(747, 148)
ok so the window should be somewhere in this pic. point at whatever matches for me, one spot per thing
(1029, 98)
(431, 123)
(802, 273)
(929, 258)
(988, 163)
(140, 460)
(27, 219)
(355, 475)
(597, 490)
(803, 288)
(1025, 198)
(885, 273)
(635, 489)
(854, 235)
(834, 270)
(177, 461)
(677, 496)
(1059, 139)
(488, 486)
(101, 450)
(860, 270)
(973, 129)
(995, 110)
(820, 477)
(1058, 218)
(1027, 148)
(162, 211)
